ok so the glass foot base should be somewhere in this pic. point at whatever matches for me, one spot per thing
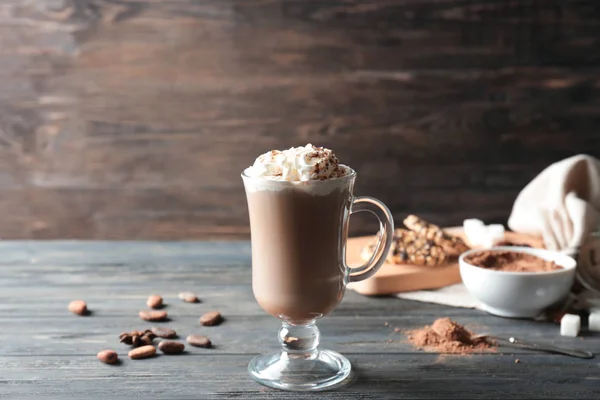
(322, 370)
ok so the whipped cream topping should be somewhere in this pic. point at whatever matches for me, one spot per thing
(297, 164)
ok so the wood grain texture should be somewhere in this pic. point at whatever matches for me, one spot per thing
(49, 353)
(133, 119)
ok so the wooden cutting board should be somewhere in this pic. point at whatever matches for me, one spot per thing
(396, 278)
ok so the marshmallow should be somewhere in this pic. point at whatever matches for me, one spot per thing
(594, 320)
(474, 230)
(494, 234)
(472, 223)
(479, 234)
(570, 324)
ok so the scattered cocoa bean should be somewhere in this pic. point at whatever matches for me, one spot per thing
(153, 315)
(165, 333)
(189, 297)
(108, 356)
(199, 341)
(211, 318)
(142, 352)
(169, 347)
(78, 307)
(137, 338)
(154, 301)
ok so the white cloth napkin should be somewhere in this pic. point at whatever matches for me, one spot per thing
(562, 205)
(455, 295)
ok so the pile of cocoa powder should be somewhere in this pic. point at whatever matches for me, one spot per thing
(447, 336)
(511, 261)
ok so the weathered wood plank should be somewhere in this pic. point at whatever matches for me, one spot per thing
(133, 119)
(123, 300)
(115, 280)
(250, 334)
(382, 376)
(83, 254)
(47, 352)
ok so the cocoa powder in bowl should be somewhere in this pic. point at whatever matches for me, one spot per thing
(510, 261)
(447, 336)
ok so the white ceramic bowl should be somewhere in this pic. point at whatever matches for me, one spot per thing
(518, 294)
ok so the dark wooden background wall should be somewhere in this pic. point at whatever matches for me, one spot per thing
(132, 119)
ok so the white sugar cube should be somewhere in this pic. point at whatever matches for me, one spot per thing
(472, 222)
(475, 231)
(594, 320)
(486, 240)
(570, 325)
(496, 231)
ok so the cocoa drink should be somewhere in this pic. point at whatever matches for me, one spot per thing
(298, 231)
(300, 201)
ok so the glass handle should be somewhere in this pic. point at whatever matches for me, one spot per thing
(386, 234)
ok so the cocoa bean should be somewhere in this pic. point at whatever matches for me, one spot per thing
(211, 318)
(153, 315)
(154, 301)
(189, 297)
(199, 341)
(142, 352)
(169, 347)
(108, 356)
(165, 333)
(137, 338)
(78, 307)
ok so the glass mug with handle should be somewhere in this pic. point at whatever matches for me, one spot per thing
(299, 272)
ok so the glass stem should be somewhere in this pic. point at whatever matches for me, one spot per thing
(299, 341)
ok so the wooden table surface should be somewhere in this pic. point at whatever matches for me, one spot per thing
(47, 352)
